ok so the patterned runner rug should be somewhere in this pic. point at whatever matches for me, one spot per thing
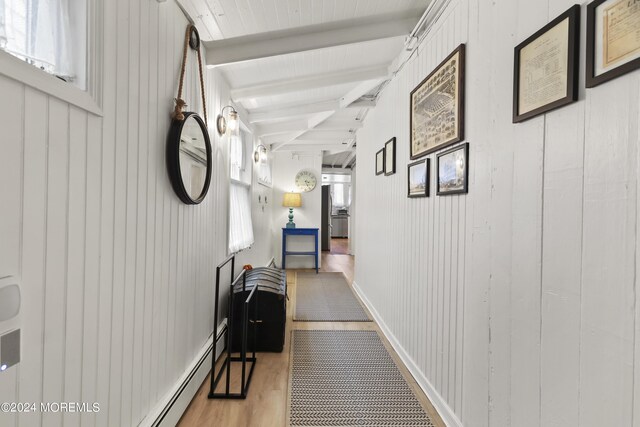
(347, 378)
(326, 297)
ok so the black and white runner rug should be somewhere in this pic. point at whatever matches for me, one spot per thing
(326, 297)
(347, 378)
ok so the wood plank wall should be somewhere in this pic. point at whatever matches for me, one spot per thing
(517, 302)
(117, 275)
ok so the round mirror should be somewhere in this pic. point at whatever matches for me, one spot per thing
(189, 158)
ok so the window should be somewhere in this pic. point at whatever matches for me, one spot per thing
(49, 34)
(236, 156)
(340, 188)
(240, 224)
(338, 195)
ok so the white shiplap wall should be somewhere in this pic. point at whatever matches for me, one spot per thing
(116, 274)
(517, 303)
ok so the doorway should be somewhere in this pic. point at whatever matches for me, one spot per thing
(336, 213)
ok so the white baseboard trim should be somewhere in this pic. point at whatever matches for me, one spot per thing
(445, 412)
(170, 408)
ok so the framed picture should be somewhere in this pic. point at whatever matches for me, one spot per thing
(453, 171)
(437, 107)
(545, 74)
(613, 39)
(418, 181)
(390, 157)
(380, 162)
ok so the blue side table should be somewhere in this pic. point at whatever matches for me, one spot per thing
(299, 232)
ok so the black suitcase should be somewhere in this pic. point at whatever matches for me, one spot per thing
(271, 300)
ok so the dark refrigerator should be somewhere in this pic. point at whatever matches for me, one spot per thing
(325, 240)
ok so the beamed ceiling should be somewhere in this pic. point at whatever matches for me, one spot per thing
(306, 71)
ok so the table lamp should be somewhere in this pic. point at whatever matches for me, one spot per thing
(291, 200)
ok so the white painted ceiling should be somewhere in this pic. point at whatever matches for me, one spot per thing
(305, 71)
(224, 19)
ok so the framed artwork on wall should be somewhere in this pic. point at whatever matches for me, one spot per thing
(437, 107)
(418, 178)
(613, 39)
(390, 157)
(545, 68)
(380, 162)
(453, 171)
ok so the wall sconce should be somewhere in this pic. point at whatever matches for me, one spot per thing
(221, 121)
(260, 155)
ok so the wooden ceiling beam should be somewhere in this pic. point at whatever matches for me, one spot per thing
(348, 159)
(330, 135)
(265, 129)
(316, 81)
(331, 148)
(311, 37)
(292, 112)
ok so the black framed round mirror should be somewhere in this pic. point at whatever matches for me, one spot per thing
(189, 158)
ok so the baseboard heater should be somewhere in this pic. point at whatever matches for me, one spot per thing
(184, 384)
(171, 408)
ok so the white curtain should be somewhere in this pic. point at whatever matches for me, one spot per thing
(240, 225)
(38, 31)
(236, 153)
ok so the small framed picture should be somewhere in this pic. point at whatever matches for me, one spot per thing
(545, 68)
(453, 171)
(418, 178)
(380, 162)
(390, 157)
(613, 39)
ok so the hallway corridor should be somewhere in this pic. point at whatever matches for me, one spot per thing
(266, 403)
(481, 159)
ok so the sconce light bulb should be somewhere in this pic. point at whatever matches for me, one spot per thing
(260, 155)
(233, 121)
(3, 368)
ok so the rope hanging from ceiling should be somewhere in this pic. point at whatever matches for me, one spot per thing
(191, 38)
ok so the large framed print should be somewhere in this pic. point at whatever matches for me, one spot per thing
(453, 171)
(613, 39)
(437, 107)
(380, 162)
(390, 157)
(418, 178)
(545, 75)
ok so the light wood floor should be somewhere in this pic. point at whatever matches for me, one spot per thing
(266, 403)
(339, 246)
